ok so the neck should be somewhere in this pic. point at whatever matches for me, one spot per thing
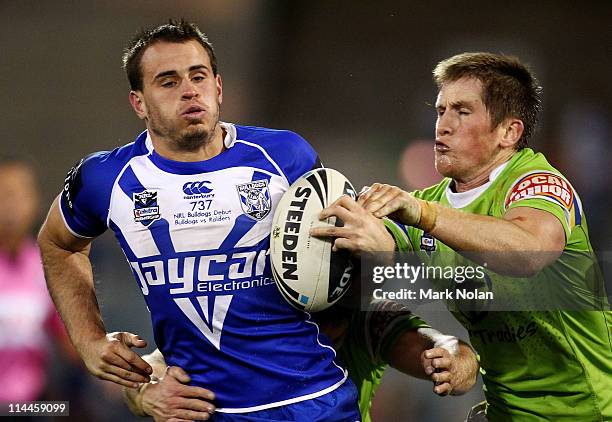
(483, 175)
(212, 146)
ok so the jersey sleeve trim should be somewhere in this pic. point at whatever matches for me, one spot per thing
(394, 331)
(538, 188)
(74, 233)
(385, 322)
(399, 234)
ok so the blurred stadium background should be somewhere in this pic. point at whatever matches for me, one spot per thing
(352, 77)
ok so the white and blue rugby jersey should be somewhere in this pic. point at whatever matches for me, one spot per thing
(196, 235)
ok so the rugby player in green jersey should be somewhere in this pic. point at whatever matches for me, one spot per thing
(366, 343)
(509, 208)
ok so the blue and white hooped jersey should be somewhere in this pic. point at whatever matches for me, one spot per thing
(196, 235)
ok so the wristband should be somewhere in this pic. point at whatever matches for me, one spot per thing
(450, 343)
(429, 214)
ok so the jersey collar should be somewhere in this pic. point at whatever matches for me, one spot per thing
(463, 199)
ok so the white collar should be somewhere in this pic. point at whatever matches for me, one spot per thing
(463, 199)
(228, 141)
(230, 134)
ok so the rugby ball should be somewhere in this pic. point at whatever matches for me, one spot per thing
(307, 272)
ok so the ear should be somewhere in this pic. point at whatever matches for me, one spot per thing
(511, 131)
(138, 104)
(219, 88)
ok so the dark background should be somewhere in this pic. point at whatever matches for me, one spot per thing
(354, 78)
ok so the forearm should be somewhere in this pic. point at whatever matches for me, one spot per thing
(511, 244)
(503, 245)
(406, 353)
(133, 396)
(70, 282)
(428, 354)
(133, 399)
(466, 369)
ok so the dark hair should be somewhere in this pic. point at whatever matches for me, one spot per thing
(175, 32)
(509, 89)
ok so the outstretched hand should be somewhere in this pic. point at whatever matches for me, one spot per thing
(111, 358)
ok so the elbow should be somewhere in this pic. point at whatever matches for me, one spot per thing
(40, 238)
(43, 240)
(526, 268)
(529, 264)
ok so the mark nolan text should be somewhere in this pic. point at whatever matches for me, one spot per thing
(431, 294)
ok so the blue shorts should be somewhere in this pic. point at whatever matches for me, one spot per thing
(338, 406)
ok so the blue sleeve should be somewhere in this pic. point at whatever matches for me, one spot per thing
(291, 152)
(86, 195)
(300, 157)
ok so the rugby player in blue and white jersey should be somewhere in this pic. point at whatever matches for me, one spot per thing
(191, 204)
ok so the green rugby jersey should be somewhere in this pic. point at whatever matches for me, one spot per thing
(368, 342)
(536, 365)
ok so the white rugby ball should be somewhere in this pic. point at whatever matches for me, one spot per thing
(308, 273)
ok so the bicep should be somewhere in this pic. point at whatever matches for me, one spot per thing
(55, 235)
(543, 226)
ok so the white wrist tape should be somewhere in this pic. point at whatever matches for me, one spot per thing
(450, 343)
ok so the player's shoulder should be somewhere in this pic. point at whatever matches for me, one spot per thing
(262, 133)
(275, 139)
(530, 175)
(285, 148)
(433, 193)
(113, 161)
(528, 161)
(98, 171)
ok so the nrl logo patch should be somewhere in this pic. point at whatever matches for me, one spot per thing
(255, 199)
(428, 243)
(146, 209)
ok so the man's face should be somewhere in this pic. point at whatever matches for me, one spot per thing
(465, 141)
(181, 97)
(19, 205)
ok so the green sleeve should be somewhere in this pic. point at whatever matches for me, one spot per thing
(400, 235)
(385, 322)
(548, 191)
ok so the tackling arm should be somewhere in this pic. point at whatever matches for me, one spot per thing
(70, 282)
(521, 243)
(426, 353)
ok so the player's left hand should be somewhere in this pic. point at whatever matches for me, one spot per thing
(440, 365)
(361, 232)
(172, 399)
(387, 200)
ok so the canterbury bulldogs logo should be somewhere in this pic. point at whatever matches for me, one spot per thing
(146, 209)
(195, 188)
(255, 199)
